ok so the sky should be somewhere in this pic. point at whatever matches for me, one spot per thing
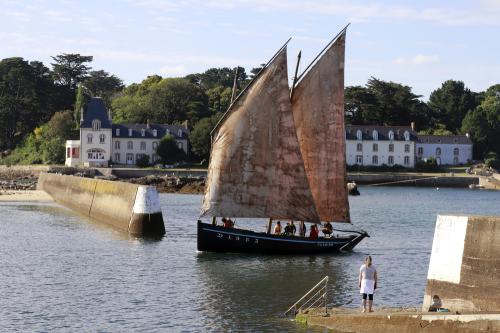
(416, 43)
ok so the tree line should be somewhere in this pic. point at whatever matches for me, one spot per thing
(40, 106)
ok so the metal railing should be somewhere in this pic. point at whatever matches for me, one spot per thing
(314, 297)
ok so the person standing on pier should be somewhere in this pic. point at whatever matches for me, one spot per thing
(367, 282)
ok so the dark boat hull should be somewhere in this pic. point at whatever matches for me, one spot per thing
(219, 239)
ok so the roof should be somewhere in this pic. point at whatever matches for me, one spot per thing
(162, 130)
(445, 139)
(95, 109)
(383, 132)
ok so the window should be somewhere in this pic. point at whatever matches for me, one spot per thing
(129, 132)
(117, 131)
(455, 151)
(155, 145)
(455, 160)
(75, 152)
(407, 160)
(155, 158)
(102, 138)
(155, 132)
(375, 135)
(143, 132)
(391, 135)
(407, 148)
(420, 150)
(89, 138)
(68, 154)
(179, 145)
(375, 147)
(138, 156)
(143, 145)
(117, 144)
(359, 147)
(359, 159)
(438, 151)
(407, 135)
(130, 145)
(130, 158)
(359, 135)
(95, 154)
(96, 125)
(391, 147)
(374, 159)
(117, 157)
(390, 160)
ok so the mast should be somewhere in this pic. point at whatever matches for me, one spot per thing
(295, 75)
(235, 84)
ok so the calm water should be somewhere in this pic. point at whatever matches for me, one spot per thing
(62, 273)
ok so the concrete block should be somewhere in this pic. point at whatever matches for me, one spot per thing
(465, 264)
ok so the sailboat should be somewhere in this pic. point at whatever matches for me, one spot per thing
(279, 154)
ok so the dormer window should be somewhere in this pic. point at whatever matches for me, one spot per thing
(129, 132)
(96, 125)
(168, 131)
(375, 135)
(155, 133)
(117, 131)
(359, 135)
(179, 133)
(391, 135)
(143, 132)
(407, 136)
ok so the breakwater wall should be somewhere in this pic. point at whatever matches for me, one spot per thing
(465, 264)
(129, 207)
(137, 173)
(394, 179)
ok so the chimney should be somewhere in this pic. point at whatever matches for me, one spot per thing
(147, 123)
(110, 116)
(412, 126)
(81, 116)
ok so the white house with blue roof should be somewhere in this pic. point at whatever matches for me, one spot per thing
(102, 143)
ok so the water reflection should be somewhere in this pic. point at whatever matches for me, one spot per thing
(246, 290)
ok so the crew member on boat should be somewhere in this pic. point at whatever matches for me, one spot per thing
(277, 228)
(313, 234)
(327, 229)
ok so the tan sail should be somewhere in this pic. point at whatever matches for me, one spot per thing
(256, 169)
(318, 109)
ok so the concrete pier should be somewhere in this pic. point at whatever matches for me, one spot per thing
(465, 264)
(129, 207)
(397, 321)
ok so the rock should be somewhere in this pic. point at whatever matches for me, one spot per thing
(352, 188)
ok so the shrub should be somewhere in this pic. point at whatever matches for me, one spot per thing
(142, 161)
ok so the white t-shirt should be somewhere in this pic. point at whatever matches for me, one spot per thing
(367, 273)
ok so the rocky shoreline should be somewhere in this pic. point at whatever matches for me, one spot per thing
(13, 179)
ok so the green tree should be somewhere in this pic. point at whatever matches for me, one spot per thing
(450, 103)
(483, 124)
(170, 100)
(69, 69)
(168, 151)
(384, 103)
(28, 98)
(200, 139)
(219, 98)
(82, 98)
(102, 84)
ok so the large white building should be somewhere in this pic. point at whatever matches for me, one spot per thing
(401, 145)
(446, 149)
(101, 142)
(379, 145)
